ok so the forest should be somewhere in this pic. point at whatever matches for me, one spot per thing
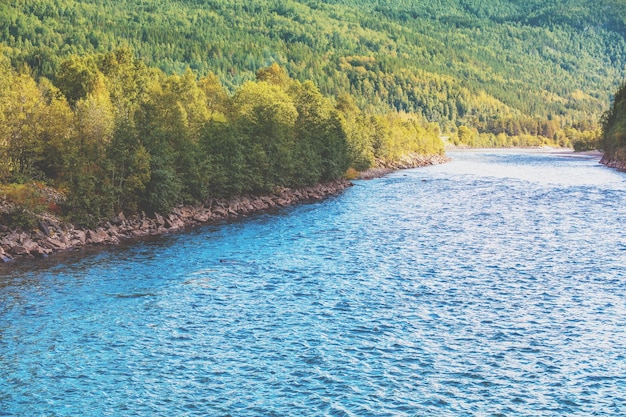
(120, 105)
(498, 66)
(614, 130)
(117, 135)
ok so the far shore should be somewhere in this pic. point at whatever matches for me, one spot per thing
(407, 162)
(542, 149)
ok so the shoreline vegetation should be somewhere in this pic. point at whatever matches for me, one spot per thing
(613, 138)
(85, 156)
(53, 235)
(112, 136)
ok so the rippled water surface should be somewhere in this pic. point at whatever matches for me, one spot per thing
(493, 285)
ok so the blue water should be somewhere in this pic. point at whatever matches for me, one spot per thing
(491, 286)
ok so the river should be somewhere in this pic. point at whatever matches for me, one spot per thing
(494, 285)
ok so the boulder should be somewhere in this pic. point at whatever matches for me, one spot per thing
(44, 226)
(20, 250)
(159, 220)
(80, 235)
(202, 217)
(4, 257)
(94, 238)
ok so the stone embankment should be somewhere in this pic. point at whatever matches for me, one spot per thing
(56, 236)
(406, 162)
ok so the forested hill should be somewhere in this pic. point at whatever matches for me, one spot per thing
(495, 65)
(614, 131)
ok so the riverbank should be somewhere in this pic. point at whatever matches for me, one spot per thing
(613, 163)
(53, 235)
(407, 162)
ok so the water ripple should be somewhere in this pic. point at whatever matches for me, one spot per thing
(493, 285)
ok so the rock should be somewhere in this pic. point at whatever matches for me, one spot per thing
(159, 220)
(94, 237)
(4, 257)
(45, 227)
(20, 250)
(174, 222)
(202, 217)
(112, 239)
(53, 236)
(41, 252)
(220, 212)
(55, 244)
(22, 237)
(75, 243)
(30, 245)
(80, 235)
(12, 238)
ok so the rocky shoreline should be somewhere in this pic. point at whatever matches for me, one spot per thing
(613, 163)
(407, 162)
(54, 235)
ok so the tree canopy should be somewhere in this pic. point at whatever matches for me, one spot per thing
(497, 66)
(614, 128)
(118, 135)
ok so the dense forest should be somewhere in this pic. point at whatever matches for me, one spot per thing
(118, 135)
(110, 105)
(498, 66)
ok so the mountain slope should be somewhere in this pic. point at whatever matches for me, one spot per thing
(495, 65)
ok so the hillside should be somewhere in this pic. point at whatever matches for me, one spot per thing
(498, 66)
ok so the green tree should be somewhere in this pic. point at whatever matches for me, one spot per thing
(76, 77)
(22, 111)
(266, 116)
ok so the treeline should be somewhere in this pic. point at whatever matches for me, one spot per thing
(116, 135)
(581, 136)
(497, 66)
(614, 130)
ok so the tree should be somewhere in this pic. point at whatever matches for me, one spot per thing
(76, 78)
(275, 75)
(127, 79)
(128, 168)
(22, 110)
(266, 116)
(466, 135)
(58, 132)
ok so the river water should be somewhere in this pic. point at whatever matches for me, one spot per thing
(494, 285)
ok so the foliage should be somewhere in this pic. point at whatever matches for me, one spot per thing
(135, 139)
(497, 66)
(614, 128)
(145, 105)
(20, 203)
